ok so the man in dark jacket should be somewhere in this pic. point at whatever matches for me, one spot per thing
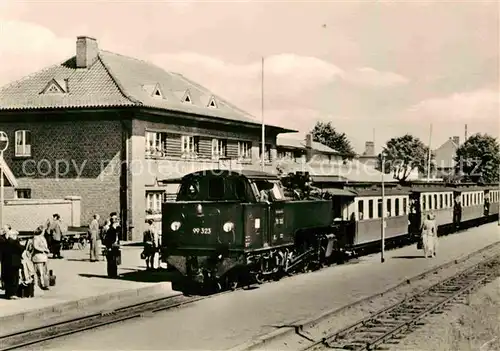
(11, 263)
(56, 236)
(112, 243)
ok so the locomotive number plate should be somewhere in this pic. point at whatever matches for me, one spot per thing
(202, 231)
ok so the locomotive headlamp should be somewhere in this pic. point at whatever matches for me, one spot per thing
(228, 226)
(175, 226)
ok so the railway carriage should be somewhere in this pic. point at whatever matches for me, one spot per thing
(368, 205)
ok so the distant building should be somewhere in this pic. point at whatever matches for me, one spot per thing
(109, 128)
(305, 155)
(444, 157)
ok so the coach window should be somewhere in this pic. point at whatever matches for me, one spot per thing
(405, 204)
(441, 204)
(446, 200)
(360, 210)
(429, 197)
(379, 208)
(424, 203)
(396, 207)
(436, 202)
(370, 209)
(389, 207)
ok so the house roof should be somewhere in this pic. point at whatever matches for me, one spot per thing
(444, 156)
(301, 144)
(113, 81)
(353, 171)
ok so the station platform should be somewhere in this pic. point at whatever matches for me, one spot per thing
(83, 287)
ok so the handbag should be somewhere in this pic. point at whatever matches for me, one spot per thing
(420, 244)
(143, 255)
(51, 278)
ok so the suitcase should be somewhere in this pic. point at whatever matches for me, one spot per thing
(26, 291)
(51, 278)
(420, 244)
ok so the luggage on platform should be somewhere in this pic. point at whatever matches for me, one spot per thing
(51, 278)
(26, 291)
(420, 244)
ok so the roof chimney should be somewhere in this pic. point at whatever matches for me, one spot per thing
(369, 148)
(456, 140)
(86, 51)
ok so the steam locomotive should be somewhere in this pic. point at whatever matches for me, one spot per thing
(230, 228)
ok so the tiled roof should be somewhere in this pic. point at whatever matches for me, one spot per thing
(92, 87)
(116, 81)
(301, 144)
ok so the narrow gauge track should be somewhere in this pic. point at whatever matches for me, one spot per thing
(41, 334)
(53, 331)
(393, 323)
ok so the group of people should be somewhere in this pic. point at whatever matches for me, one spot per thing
(23, 264)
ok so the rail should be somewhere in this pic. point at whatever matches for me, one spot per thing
(53, 331)
(394, 321)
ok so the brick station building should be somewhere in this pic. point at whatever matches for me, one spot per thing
(110, 128)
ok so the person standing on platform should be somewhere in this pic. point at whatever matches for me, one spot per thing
(151, 245)
(112, 243)
(56, 236)
(3, 238)
(12, 251)
(94, 239)
(429, 236)
(40, 258)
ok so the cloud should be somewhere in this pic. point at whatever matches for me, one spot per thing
(469, 106)
(26, 48)
(370, 77)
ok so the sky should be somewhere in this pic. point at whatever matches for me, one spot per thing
(372, 68)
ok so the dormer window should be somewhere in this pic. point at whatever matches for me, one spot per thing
(157, 92)
(55, 87)
(212, 103)
(187, 97)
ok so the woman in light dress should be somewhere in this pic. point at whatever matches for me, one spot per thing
(429, 236)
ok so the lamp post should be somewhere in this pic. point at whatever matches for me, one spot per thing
(382, 251)
(4, 143)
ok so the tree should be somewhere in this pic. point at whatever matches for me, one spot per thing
(478, 159)
(403, 155)
(326, 134)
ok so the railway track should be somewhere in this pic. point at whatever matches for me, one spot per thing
(53, 331)
(393, 323)
(41, 334)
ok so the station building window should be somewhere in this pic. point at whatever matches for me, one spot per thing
(23, 143)
(190, 146)
(154, 201)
